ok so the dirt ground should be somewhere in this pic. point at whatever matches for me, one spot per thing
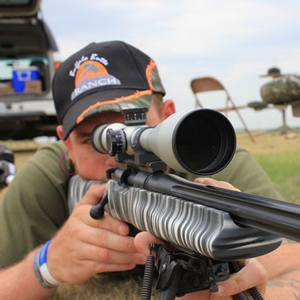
(270, 141)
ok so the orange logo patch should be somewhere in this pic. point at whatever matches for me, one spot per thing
(91, 75)
(89, 69)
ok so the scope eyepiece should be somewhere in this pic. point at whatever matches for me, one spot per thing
(116, 141)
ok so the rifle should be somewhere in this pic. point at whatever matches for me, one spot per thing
(211, 228)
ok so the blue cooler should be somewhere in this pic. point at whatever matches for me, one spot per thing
(21, 75)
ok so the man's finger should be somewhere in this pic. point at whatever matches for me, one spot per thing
(93, 195)
(143, 240)
(253, 274)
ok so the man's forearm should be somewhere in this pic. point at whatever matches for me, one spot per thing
(18, 281)
(284, 278)
(285, 287)
(283, 260)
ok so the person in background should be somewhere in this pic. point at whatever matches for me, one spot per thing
(7, 166)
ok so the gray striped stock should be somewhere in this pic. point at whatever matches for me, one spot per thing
(191, 226)
(188, 225)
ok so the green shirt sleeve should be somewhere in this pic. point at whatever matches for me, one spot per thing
(245, 173)
(34, 206)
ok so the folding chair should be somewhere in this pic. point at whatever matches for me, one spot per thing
(210, 84)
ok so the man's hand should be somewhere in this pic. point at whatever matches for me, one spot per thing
(216, 183)
(84, 246)
(253, 274)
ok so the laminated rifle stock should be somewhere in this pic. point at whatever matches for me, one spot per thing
(189, 226)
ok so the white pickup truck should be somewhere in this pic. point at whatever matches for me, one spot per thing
(27, 65)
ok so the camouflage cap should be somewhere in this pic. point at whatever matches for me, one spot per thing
(272, 72)
(108, 76)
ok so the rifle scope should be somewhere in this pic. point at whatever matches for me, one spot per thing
(201, 141)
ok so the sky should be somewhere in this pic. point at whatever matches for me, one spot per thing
(234, 41)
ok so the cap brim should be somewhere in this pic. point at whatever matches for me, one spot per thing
(271, 75)
(105, 101)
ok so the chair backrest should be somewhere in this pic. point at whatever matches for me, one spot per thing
(206, 84)
(210, 84)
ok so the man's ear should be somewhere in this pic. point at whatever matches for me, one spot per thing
(168, 108)
(59, 131)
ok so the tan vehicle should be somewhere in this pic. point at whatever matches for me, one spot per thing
(27, 66)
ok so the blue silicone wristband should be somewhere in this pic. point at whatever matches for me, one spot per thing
(43, 254)
(42, 272)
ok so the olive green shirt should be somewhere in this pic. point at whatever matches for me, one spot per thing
(35, 205)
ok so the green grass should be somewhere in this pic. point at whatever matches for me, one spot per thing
(284, 170)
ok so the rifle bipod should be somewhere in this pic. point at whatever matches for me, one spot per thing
(180, 273)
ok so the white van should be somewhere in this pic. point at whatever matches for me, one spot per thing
(27, 66)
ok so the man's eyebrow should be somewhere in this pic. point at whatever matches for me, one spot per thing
(82, 134)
